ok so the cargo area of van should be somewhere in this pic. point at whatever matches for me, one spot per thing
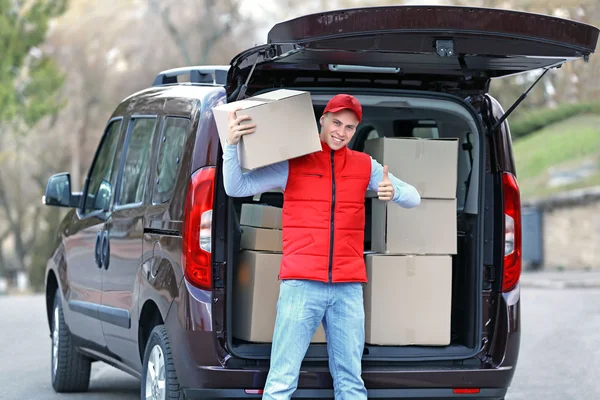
(423, 299)
(422, 75)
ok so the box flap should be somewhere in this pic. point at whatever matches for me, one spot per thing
(244, 104)
(278, 95)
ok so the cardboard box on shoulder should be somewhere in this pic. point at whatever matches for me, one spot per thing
(408, 300)
(286, 127)
(429, 228)
(261, 216)
(256, 290)
(430, 165)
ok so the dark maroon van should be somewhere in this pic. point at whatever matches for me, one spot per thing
(141, 277)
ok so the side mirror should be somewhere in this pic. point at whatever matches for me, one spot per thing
(58, 191)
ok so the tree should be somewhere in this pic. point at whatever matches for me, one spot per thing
(573, 82)
(29, 91)
(206, 26)
(109, 50)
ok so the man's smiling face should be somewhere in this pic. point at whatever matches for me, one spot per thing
(338, 128)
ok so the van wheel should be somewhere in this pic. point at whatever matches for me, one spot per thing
(159, 380)
(70, 370)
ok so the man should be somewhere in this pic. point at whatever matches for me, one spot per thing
(322, 268)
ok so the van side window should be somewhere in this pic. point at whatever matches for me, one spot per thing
(172, 140)
(101, 170)
(137, 156)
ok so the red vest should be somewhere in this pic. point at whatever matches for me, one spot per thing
(324, 216)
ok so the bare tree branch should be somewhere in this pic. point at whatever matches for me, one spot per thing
(217, 32)
(3, 237)
(36, 227)
(15, 225)
(166, 19)
(5, 204)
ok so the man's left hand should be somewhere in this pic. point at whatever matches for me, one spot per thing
(385, 191)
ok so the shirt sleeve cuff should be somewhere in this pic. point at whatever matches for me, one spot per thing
(230, 150)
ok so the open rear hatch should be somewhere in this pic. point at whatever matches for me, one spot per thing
(379, 52)
(434, 47)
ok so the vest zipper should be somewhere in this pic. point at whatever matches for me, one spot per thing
(332, 213)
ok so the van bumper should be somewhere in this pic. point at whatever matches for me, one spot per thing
(381, 384)
(491, 394)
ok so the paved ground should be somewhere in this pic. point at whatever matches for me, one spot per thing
(560, 345)
(561, 279)
(560, 350)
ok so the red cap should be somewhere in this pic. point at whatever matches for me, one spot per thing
(344, 101)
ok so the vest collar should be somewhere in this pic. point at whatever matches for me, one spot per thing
(325, 148)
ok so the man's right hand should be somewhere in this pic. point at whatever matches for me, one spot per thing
(236, 130)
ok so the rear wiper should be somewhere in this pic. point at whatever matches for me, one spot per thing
(267, 54)
(516, 103)
(244, 87)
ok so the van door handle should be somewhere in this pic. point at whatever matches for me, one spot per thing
(105, 255)
(97, 249)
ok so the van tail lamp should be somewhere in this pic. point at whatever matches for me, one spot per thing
(466, 391)
(254, 391)
(196, 259)
(512, 232)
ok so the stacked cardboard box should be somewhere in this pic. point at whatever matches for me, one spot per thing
(261, 227)
(407, 300)
(256, 280)
(430, 165)
(408, 297)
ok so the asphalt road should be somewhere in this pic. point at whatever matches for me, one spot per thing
(560, 351)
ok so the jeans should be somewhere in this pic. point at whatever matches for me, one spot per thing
(301, 306)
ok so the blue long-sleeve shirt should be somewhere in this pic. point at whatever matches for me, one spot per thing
(274, 176)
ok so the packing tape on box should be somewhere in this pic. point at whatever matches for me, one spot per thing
(275, 221)
(411, 267)
(420, 148)
(264, 213)
(253, 214)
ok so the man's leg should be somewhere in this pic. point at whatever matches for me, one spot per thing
(345, 329)
(300, 309)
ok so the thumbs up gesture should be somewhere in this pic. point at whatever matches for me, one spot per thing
(385, 191)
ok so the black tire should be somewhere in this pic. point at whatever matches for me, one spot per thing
(158, 338)
(72, 372)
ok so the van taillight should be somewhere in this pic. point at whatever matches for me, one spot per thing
(197, 229)
(512, 232)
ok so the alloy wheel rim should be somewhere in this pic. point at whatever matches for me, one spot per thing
(155, 375)
(55, 341)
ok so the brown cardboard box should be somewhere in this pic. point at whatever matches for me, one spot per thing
(429, 228)
(256, 290)
(261, 239)
(286, 127)
(430, 165)
(261, 216)
(408, 300)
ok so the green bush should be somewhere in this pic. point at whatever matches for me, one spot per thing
(535, 120)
